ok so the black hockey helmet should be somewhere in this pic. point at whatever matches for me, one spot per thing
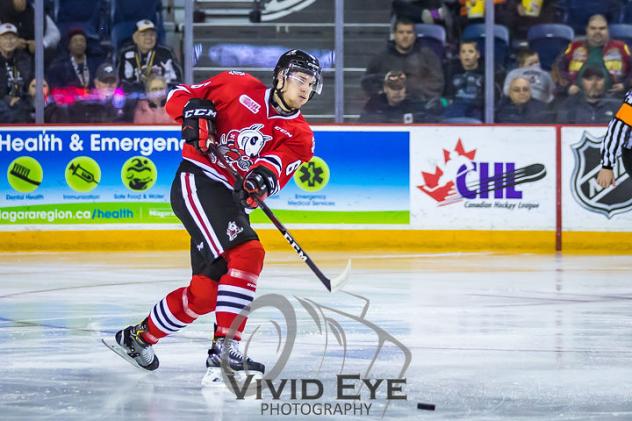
(299, 61)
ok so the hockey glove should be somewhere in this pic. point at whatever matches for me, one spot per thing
(259, 183)
(198, 124)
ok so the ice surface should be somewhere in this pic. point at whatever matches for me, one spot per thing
(492, 337)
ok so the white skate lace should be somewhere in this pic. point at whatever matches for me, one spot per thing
(232, 348)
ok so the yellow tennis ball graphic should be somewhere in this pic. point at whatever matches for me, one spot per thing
(139, 173)
(25, 174)
(83, 174)
(312, 176)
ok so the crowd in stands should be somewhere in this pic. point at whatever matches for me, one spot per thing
(93, 75)
(555, 61)
(576, 78)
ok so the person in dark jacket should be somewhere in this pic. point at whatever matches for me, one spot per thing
(465, 83)
(24, 110)
(16, 66)
(520, 107)
(76, 68)
(593, 105)
(22, 15)
(391, 105)
(144, 58)
(105, 103)
(421, 65)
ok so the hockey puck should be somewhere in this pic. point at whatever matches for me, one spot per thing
(426, 406)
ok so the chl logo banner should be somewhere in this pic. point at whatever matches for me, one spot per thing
(462, 176)
(610, 201)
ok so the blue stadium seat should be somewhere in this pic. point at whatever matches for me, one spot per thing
(432, 36)
(121, 34)
(476, 32)
(125, 11)
(622, 32)
(549, 40)
(579, 11)
(71, 14)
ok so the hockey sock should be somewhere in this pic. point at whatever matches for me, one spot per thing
(237, 287)
(180, 308)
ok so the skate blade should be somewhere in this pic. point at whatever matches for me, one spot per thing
(116, 348)
(213, 377)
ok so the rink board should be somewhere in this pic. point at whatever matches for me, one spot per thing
(372, 187)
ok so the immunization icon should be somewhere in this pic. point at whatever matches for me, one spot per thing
(312, 176)
(83, 174)
(25, 174)
(139, 173)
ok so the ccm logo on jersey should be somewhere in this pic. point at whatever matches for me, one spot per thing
(200, 112)
(252, 105)
(282, 130)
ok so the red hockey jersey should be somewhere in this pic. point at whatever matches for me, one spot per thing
(248, 129)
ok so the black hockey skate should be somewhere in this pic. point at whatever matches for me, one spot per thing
(129, 344)
(236, 363)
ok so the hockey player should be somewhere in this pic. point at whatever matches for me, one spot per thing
(617, 142)
(264, 138)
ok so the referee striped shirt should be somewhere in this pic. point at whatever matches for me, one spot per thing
(618, 135)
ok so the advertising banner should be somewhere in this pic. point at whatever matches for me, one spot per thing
(482, 178)
(586, 206)
(122, 175)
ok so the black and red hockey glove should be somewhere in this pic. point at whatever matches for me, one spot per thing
(259, 183)
(198, 123)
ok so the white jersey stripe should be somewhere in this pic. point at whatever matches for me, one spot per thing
(238, 290)
(169, 317)
(159, 322)
(205, 221)
(234, 300)
(194, 212)
(234, 310)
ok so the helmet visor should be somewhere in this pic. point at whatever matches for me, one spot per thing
(316, 84)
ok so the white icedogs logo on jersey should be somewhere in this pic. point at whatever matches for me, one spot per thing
(242, 147)
(233, 230)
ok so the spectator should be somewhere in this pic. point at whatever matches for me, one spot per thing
(520, 107)
(392, 104)
(75, 68)
(465, 83)
(138, 61)
(106, 103)
(151, 110)
(542, 86)
(592, 105)
(24, 109)
(420, 64)
(21, 14)
(597, 49)
(16, 66)
(435, 12)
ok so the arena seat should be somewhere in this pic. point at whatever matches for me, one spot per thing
(549, 40)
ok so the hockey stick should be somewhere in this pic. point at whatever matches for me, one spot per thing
(335, 283)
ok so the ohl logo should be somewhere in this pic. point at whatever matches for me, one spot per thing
(460, 177)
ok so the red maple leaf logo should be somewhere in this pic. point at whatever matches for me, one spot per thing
(432, 185)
